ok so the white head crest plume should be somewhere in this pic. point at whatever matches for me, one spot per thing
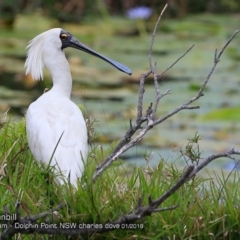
(35, 60)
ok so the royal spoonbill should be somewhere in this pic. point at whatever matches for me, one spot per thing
(53, 119)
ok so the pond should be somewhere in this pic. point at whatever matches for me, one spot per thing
(110, 96)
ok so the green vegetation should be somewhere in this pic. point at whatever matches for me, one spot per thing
(224, 114)
(207, 207)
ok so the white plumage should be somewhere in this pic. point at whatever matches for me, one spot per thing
(53, 114)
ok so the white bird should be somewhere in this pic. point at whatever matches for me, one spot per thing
(53, 119)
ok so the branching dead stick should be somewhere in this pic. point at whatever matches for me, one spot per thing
(216, 61)
(126, 143)
(133, 128)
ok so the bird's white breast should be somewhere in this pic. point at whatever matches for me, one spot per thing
(47, 119)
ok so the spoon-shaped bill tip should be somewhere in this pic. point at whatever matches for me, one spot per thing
(120, 66)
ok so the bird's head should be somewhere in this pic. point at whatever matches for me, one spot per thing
(45, 44)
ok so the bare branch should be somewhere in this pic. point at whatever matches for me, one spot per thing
(209, 159)
(153, 37)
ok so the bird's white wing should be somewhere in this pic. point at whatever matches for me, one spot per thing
(46, 124)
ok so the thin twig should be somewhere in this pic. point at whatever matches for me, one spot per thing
(162, 73)
(227, 43)
(153, 37)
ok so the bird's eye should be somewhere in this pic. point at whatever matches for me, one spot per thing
(63, 36)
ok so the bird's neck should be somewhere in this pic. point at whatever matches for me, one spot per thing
(60, 72)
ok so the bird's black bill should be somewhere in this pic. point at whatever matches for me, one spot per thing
(74, 43)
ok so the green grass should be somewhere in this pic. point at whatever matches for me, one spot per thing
(208, 208)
